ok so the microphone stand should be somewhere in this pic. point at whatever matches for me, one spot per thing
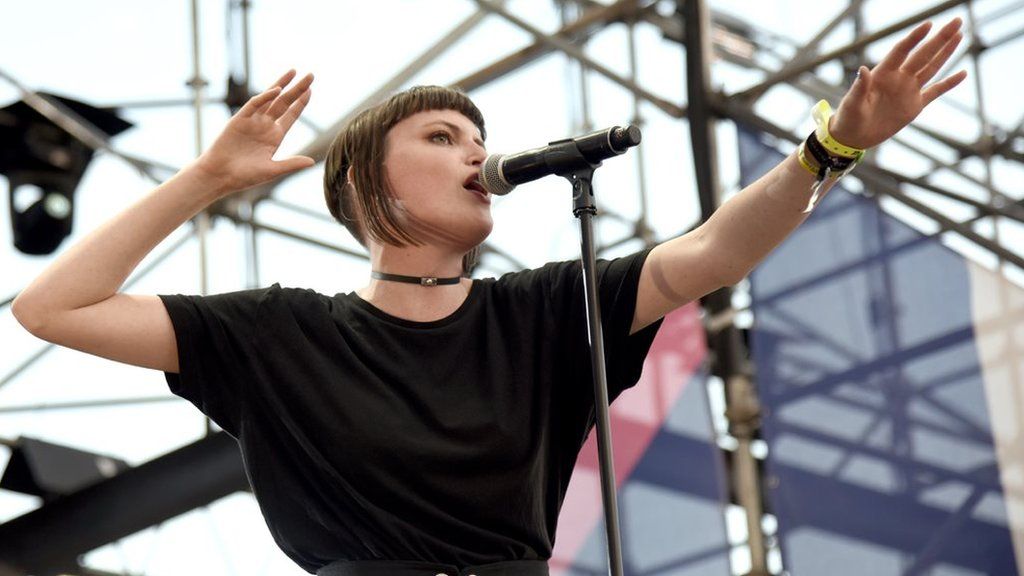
(580, 172)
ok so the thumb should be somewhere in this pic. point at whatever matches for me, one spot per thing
(861, 84)
(293, 164)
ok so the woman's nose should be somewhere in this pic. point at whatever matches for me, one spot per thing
(477, 155)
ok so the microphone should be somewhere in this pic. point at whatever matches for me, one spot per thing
(502, 173)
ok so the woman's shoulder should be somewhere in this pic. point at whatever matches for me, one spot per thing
(304, 298)
(537, 282)
(537, 273)
(563, 274)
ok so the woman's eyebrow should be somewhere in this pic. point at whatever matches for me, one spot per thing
(455, 128)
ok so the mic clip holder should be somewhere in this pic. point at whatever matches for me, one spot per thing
(565, 159)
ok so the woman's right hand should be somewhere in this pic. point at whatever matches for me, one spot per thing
(242, 155)
(75, 302)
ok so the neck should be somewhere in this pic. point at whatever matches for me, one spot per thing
(416, 261)
(412, 301)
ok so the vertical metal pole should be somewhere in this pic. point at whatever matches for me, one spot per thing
(698, 88)
(248, 211)
(852, 60)
(987, 137)
(246, 55)
(247, 203)
(254, 255)
(743, 408)
(586, 125)
(642, 227)
(198, 86)
(202, 221)
(581, 95)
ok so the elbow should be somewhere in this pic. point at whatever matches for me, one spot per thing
(729, 266)
(30, 319)
(731, 274)
(734, 278)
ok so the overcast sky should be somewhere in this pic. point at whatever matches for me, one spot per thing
(120, 52)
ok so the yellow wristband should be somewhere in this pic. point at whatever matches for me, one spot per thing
(801, 155)
(821, 113)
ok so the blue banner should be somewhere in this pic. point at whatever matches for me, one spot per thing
(890, 369)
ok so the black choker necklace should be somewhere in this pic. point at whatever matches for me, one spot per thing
(422, 281)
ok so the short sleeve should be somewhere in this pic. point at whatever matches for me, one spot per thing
(216, 350)
(618, 281)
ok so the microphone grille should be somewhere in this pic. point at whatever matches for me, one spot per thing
(491, 178)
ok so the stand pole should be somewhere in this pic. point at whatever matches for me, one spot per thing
(584, 208)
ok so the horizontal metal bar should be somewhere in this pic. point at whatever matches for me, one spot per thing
(292, 207)
(576, 52)
(805, 52)
(26, 364)
(164, 103)
(787, 74)
(223, 209)
(582, 28)
(88, 404)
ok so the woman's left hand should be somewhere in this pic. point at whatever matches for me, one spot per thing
(885, 99)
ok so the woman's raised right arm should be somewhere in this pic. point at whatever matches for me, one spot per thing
(75, 301)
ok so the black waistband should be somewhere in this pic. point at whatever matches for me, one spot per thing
(410, 568)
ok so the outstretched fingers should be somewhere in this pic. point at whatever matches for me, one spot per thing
(259, 101)
(941, 87)
(283, 102)
(923, 57)
(939, 60)
(895, 58)
(294, 111)
(284, 79)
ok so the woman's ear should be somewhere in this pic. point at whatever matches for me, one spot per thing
(349, 174)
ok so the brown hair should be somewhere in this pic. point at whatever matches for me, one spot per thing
(364, 205)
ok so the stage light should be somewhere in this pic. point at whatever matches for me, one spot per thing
(50, 470)
(43, 165)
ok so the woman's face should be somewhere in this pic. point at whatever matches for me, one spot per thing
(430, 160)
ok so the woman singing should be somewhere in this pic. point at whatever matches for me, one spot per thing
(427, 423)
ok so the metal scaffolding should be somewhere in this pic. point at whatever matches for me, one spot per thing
(711, 39)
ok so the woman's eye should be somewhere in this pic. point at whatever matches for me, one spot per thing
(441, 137)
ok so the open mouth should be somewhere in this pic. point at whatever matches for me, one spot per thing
(474, 185)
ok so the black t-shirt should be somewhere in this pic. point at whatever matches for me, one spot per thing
(370, 437)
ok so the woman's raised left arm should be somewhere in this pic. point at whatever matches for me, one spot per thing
(742, 232)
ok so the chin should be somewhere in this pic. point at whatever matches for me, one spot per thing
(484, 232)
(460, 233)
(470, 237)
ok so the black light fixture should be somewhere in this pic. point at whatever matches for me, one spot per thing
(37, 154)
(50, 470)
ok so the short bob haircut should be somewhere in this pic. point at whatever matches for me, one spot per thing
(364, 205)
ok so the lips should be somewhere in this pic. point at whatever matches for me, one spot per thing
(473, 185)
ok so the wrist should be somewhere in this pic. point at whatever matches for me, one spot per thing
(841, 134)
(822, 115)
(205, 178)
